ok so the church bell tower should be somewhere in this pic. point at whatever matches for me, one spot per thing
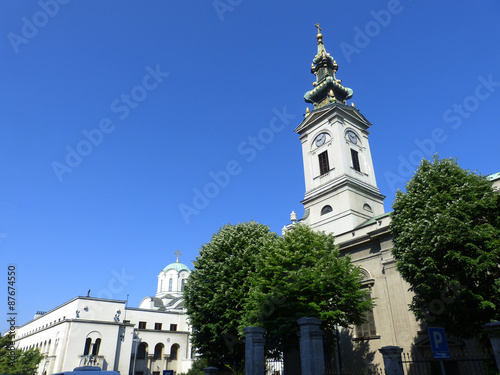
(341, 190)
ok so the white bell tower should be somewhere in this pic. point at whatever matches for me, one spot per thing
(341, 190)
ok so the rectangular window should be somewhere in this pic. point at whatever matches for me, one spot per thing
(173, 327)
(367, 329)
(158, 326)
(324, 167)
(355, 160)
(142, 325)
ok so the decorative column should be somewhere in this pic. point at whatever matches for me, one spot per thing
(493, 330)
(312, 357)
(392, 360)
(254, 351)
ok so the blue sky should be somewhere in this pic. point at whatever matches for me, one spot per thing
(115, 114)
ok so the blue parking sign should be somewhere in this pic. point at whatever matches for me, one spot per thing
(439, 345)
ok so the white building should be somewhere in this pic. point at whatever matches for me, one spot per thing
(147, 340)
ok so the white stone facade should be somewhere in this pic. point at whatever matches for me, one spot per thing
(106, 333)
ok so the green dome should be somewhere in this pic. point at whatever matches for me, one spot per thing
(177, 267)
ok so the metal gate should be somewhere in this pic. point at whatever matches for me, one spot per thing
(466, 363)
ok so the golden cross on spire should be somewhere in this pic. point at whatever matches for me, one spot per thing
(319, 28)
(178, 253)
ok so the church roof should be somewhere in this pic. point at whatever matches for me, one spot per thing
(326, 110)
(373, 220)
(494, 176)
(177, 267)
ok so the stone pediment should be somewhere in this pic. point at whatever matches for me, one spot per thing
(345, 111)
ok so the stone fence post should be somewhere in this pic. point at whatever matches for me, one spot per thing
(493, 330)
(254, 351)
(312, 357)
(392, 360)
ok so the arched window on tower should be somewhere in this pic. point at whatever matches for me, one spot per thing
(326, 209)
(183, 281)
(170, 282)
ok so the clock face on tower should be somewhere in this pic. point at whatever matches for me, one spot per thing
(320, 139)
(352, 137)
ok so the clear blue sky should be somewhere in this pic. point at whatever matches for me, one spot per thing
(172, 92)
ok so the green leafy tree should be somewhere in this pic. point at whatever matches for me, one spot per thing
(446, 229)
(303, 275)
(217, 288)
(16, 361)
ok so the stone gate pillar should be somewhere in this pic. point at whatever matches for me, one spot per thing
(312, 357)
(392, 360)
(493, 330)
(254, 351)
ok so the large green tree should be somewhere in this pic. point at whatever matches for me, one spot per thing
(303, 275)
(217, 288)
(16, 361)
(446, 229)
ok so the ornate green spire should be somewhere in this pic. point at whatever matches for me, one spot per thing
(327, 89)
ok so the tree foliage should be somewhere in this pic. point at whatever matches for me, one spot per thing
(248, 276)
(303, 275)
(217, 288)
(16, 361)
(446, 229)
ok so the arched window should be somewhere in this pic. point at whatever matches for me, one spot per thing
(86, 350)
(367, 207)
(183, 281)
(173, 351)
(170, 282)
(141, 350)
(96, 346)
(326, 209)
(158, 351)
(367, 330)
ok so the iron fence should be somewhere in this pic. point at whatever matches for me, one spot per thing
(464, 363)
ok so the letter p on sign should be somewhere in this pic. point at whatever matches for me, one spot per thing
(438, 342)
